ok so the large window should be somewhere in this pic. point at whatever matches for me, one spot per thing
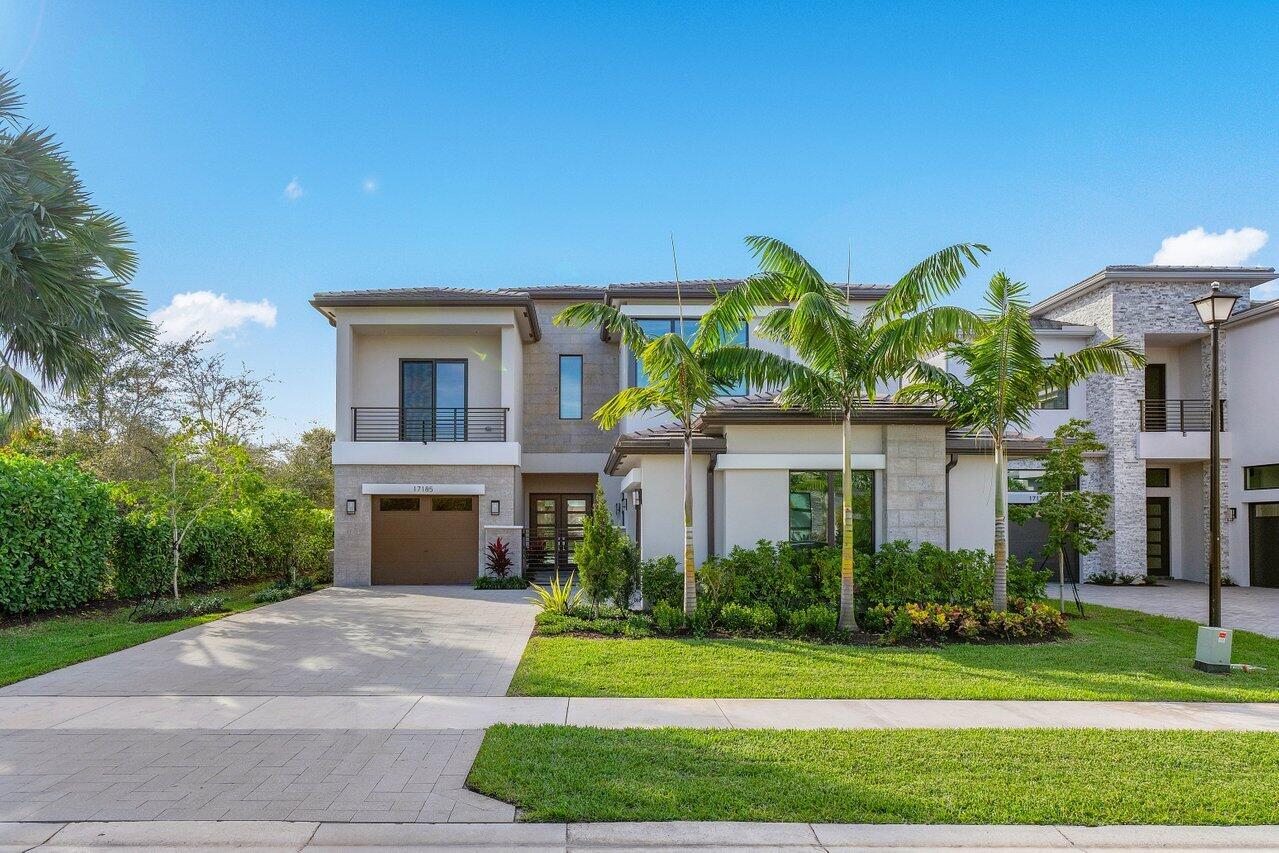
(433, 399)
(1158, 478)
(816, 501)
(1027, 480)
(657, 328)
(570, 387)
(1261, 477)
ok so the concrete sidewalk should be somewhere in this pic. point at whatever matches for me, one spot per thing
(279, 835)
(411, 713)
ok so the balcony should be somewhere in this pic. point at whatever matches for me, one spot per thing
(1178, 415)
(388, 423)
(1178, 430)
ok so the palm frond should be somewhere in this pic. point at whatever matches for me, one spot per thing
(606, 317)
(929, 280)
(630, 401)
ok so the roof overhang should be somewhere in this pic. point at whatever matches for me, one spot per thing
(657, 443)
(1246, 276)
(526, 312)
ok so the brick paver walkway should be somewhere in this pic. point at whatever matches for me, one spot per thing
(316, 688)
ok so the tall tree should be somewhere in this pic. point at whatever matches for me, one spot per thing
(845, 360)
(65, 266)
(307, 466)
(1075, 517)
(1006, 379)
(686, 370)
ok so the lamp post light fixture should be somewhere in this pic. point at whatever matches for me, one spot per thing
(1214, 309)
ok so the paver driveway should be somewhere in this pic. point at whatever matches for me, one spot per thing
(1246, 608)
(316, 685)
(385, 640)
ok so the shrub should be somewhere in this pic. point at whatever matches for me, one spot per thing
(164, 609)
(628, 579)
(702, 620)
(816, 620)
(935, 623)
(898, 574)
(600, 553)
(637, 626)
(272, 594)
(557, 596)
(667, 618)
(490, 582)
(660, 580)
(497, 559)
(739, 619)
(140, 556)
(877, 618)
(56, 523)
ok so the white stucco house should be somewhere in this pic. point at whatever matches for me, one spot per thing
(463, 417)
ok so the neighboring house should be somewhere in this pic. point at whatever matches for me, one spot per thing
(463, 416)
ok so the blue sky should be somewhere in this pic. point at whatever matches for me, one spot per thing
(263, 151)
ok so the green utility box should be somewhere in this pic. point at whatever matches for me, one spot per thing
(1212, 651)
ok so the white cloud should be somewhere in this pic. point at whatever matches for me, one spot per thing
(369, 185)
(293, 190)
(1199, 248)
(210, 313)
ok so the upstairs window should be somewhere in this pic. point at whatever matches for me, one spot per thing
(1055, 399)
(656, 328)
(1261, 477)
(570, 387)
(432, 399)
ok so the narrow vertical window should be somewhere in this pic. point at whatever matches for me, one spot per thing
(570, 387)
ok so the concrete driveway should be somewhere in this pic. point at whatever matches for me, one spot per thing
(319, 688)
(1253, 609)
(451, 641)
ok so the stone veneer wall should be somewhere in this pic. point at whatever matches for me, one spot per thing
(915, 484)
(352, 534)
(544, 432)
(1133, 309)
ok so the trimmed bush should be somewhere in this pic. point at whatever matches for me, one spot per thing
(490, 582)
(667, 618)
(140, 557)
(899, 574)
(816, 620)
(57, 523)
(661, 581)
(164, 609)
(937, 623)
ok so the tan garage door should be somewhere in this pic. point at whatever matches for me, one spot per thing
(425, 539)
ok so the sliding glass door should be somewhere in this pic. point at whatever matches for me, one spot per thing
(433, 399)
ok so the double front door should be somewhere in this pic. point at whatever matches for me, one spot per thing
(555, 527)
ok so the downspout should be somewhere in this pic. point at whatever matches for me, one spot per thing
(710, 505)
(952, 459)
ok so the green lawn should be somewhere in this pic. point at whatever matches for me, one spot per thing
(560, 773)
(49, 644)
(1114, 654)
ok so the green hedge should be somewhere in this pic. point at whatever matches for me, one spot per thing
(56, 522)
(789, 579)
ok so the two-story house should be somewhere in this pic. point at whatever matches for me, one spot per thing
(463, 416)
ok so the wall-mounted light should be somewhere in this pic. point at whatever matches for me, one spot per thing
(350, 506)
(623, 502)
(1234, 513)
(639, 493)
(495, 507)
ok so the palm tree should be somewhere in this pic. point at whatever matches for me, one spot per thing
(685, 373)
(64, 270)
(1006, 380)
(845, 360)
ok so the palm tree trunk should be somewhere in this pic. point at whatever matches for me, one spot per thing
(847, 618)
(690, 566)
(1001, 526)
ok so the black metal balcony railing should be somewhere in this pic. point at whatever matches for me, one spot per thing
(387, 423)
(1178, 415)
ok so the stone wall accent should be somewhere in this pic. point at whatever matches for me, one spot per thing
(513, 535)
(544, 432)
(352, 534)
(1132, 309)
(915, 484)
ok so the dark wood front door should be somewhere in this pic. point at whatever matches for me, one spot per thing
(555, 527)
(1157, 536)
(1263, 544)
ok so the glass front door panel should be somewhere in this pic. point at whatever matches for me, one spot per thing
(556, 528)
(450, 400)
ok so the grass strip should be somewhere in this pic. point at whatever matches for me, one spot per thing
(1113, 654)
(972, 776)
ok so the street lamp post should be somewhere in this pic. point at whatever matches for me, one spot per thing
(1214, 309)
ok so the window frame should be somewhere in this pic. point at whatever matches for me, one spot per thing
(1247, 469)
(833, 526)
(581, 386)
(1167, 477)
(673, 324)
(439, 503)
(435, 390)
